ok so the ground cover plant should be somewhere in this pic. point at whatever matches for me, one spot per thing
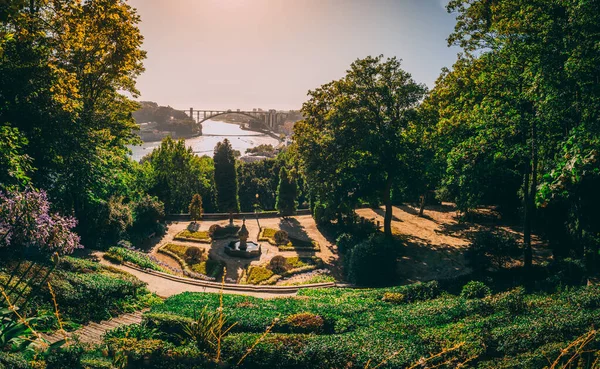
(292, 244)
(333, 327)
(121, 254)
(85, 291)
(194, 261)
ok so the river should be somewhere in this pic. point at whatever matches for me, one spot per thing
(213, 132)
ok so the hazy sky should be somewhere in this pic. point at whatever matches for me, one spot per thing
(230, 54)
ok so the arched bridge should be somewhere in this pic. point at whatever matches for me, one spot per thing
(271, 118)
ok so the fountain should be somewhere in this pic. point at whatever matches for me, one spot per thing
(243, 248)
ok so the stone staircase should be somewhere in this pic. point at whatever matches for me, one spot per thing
(92, 333)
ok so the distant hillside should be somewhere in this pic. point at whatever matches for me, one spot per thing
(164, 119)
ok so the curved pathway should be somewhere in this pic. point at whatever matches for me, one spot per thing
(165, 287)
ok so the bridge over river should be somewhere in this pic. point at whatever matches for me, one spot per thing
(271, 118)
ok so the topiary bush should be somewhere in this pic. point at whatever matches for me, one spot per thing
(193, 255)
(373, 262)
(475, 290)
(281, 237)
(278, 264)
(215, 228)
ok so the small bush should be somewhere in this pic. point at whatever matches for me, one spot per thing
(421, 291)
(373, 262)
(489, 248)
(278, 264)
(138, 331)
(281, 237)
(394, 297)
(65, 357)
(12, 361)
(345, 242)
(305, 323)
(512, 301)
(475, 290)
(568, 272)
(169, 325)
(193, 255)
(213, 229)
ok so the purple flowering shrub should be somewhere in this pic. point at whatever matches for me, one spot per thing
(26, 222)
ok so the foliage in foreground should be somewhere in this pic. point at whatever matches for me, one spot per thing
(509, 329)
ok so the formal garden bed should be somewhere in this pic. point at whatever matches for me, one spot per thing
(285, 242)
(279, 267)
(215, 232)
(194, 261)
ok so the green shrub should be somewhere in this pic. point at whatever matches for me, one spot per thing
(281, 238)
(138, 331)
(13, 361)
(345, 242)
(421, 291)
(95, 363)
(170, 325)
(193, 255)
(373, 262)
(278, 264)
(492, 248)
(214, 229)
(394, 297)
(512, 301)
(567, 271)
(475, 290)
(65, 357)
(135, 257)
(304, 323)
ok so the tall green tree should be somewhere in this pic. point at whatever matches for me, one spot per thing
(287, 192)
(178, 174)
(511, 103)
(226, 184)
(352, 143)
(67, 70)
(195, 208)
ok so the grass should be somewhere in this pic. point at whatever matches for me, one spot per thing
(120, 254)
(295, 244)
(258, 274)
(198, 236)
(319, 278)
(509, 329)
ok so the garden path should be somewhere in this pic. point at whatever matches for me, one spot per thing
(92, 333)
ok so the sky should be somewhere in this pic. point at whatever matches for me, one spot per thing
(245, 54)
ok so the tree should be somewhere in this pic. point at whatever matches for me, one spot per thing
(67, 70)
(287, 191)
(352, 143)
(226, 178)
(178, 174)
(509, 103)
(195, 208)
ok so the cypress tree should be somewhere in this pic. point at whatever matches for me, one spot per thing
(195, 208)
(226, 178)
(287, 192)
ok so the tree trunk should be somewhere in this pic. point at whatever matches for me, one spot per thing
(422, 204)
(530, 199)
(387, 200)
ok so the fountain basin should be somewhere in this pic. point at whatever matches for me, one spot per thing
(252, 249)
